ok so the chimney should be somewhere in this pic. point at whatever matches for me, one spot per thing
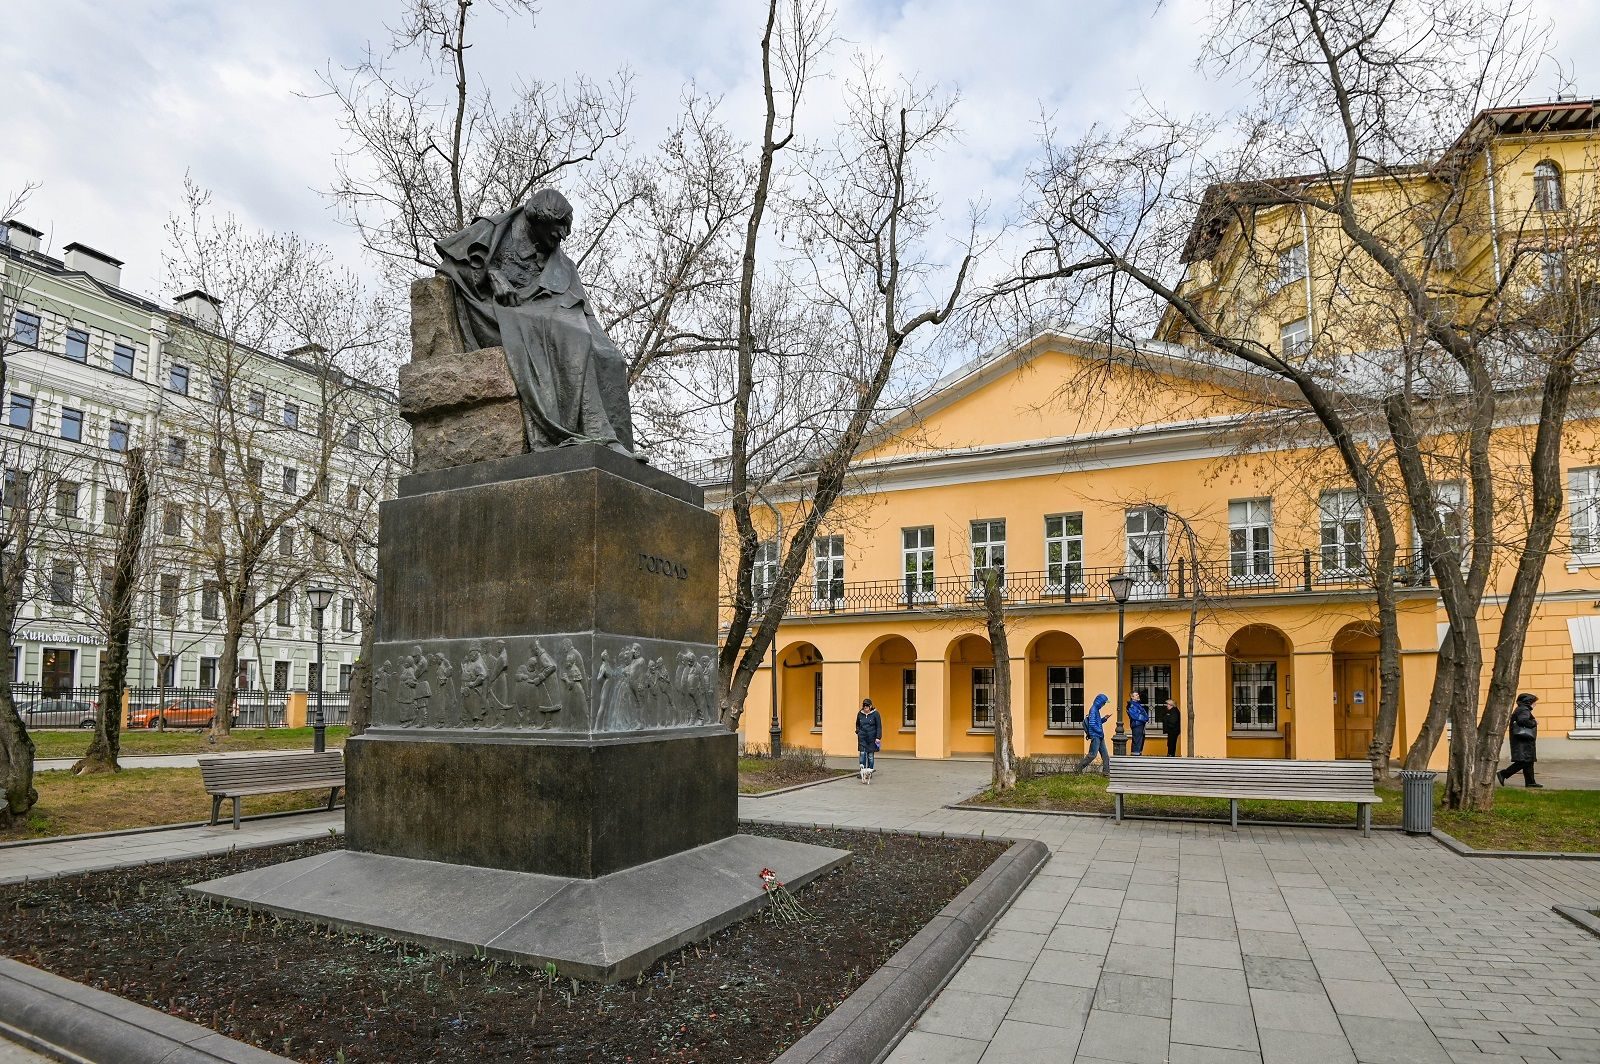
(203, 307)
(96, 264)
(20, 235)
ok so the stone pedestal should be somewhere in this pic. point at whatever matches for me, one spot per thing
(544, 726)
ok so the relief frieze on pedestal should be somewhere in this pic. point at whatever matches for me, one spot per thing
(545, 685)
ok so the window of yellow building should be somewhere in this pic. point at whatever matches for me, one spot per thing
(1583, 496)
(1249, 540)
(1153, 685)
(1064, 697)
(1146, 550)
(1586, 691)
(828, 571)
(1255, 695)
(816, 700)
(982, 698)
(1291, 265)
(908, 698)
(1295, 337)
(989, 548)
(1343, 533)
(916, 551)
(765, 572)
(1547, 187)
(1063, 553)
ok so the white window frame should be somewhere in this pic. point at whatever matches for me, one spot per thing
(1145, 550)
(1250, 541)
(816, 700)
(827, 572)
(1547, 191)
(1249, 680)
(1449, 502)
(1586, 692)
(1292, 266)
(1339, 511)
(1583, 500)
(764, 570)
(916, 564)
(1063, 697)
(1294, 337)
(983, 698)
(988, 538)
(1063, 553)
(908, 698)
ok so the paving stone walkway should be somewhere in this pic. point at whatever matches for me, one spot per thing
(1153, 943)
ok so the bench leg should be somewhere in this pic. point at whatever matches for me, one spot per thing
(1364, 818)
(333, 796)
(216, 807)
(1233, 813)
(1119, 809)
(236, 813)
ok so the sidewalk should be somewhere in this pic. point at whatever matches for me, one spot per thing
(1157, 943)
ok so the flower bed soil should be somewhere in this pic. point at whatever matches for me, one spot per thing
(745, 994)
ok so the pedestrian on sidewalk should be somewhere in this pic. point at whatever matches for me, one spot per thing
(869, 738)
(1524, 742)
(1094, 726)
(1172, 724)
(1138, 717)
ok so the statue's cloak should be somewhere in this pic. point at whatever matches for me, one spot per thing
(570, 377)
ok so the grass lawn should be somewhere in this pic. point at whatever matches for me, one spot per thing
(1521, 820)
(183, 741)
(135, 798)
(757, 775)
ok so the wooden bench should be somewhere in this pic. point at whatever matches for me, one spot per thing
(235, 777)
(1236, 778)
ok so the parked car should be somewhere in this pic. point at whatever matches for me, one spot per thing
(178, 713)
(57, 713)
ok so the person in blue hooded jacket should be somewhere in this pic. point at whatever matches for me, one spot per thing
(1094, 726)
(1138, 717)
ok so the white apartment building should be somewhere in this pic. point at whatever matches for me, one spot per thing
(94, 370)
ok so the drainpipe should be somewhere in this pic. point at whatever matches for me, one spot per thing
(1305, 236)
(1494, 223)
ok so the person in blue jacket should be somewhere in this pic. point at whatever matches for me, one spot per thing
(1138, 717)
(869, 738)
(1094, 726)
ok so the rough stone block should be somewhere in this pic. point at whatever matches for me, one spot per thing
(467, 434)
(435, 329)
(447, 381)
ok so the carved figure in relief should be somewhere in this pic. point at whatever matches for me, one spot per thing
(683, 687)
(633, 690)
(382, 677)
(421, 689)
(449, 705)
(405, 695)
(474, 687)
(545, 695)
(708, 689)
(573, 677)
(661, 692)
(499, 683)
(605, 694)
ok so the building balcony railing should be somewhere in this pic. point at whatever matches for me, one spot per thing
(1302, 572)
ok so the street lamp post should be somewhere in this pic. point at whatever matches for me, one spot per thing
(1121, 588)
(320, 597)
(776, 733)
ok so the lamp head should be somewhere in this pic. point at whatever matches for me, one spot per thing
(320, 597)
(1121, 587)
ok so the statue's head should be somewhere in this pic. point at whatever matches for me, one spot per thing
(549, 218)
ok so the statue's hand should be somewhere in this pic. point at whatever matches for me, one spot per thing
(504, 293)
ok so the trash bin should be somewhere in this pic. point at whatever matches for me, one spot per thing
(1417, 802)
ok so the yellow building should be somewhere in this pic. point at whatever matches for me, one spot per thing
(1062, 463)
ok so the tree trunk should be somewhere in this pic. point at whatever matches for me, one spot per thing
(1383, 728)
(361, 676)
(994, 608)
(1428, 736)
(107, 740)
(228, 665)
(16, 745)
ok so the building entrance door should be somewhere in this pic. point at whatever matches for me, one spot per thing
(1356, 683)
(57, 671)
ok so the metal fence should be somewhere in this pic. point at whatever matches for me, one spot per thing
(1286, 573)
(1586, 715)
(53, 706)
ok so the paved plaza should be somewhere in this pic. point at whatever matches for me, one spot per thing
(1150, 943)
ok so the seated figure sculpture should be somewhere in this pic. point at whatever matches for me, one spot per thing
(515, 288)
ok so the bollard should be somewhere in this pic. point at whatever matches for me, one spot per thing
(1417, 802)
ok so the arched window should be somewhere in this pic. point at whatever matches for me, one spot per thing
(1547, 186)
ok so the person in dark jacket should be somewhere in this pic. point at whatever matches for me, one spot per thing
(1094, 726)
(869, 738)
(1172, 724)
(1524, 741)
(1138, 717)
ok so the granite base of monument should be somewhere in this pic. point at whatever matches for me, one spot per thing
(606, 929)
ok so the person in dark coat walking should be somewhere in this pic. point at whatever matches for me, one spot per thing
(1172, 724)
(1138, 717)
(869, 738)
(1524, 742)
(1094, 726)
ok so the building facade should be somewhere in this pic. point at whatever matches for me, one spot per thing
(94, 371)
(1062, 463)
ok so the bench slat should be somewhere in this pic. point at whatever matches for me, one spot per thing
(1246, 778)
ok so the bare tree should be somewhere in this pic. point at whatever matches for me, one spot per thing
(1368, 104)
(994, 616)
(116, 607)
(268, 293)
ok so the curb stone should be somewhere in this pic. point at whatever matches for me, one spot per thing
(48, 839)
(1584, 918)
(73, 1022)
(1455, 845)
(871, 1021)
(798, 787)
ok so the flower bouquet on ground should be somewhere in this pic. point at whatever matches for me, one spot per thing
(781, 903)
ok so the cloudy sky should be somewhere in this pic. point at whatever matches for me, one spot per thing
(109, 105)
